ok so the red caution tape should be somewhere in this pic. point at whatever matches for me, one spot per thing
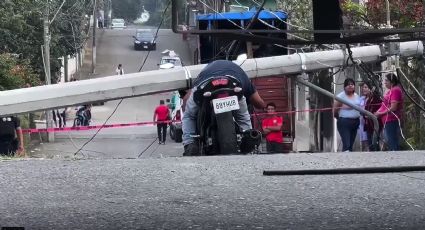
(83, 128)
(298, 111)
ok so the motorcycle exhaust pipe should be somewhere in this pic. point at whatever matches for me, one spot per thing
(250, 139)
(254, 136)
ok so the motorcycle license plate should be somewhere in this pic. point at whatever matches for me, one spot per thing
(225, 104)
(145, 47)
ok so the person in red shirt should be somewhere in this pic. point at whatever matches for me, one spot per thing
(161, 115)
(272, 128)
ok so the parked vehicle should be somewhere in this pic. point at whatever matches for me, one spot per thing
(118, 23)
(176, 117)
(144, 40)
(217, 131)
(170, 60)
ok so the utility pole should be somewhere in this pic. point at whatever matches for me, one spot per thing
(93, 57)
(46, 35)
(65, 68)
(48, 78)
(387, 3)
(47, 47)
(151, 82)
(393, 62)
(109, 14)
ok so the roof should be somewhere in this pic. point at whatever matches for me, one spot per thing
(243, 15)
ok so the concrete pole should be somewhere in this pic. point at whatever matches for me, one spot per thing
(77, 65)
(46, 37)
(151, 82)
(65, 68)
(48, 79)
(389, 58)
(387, 2)
(110, 14)
(93, 63)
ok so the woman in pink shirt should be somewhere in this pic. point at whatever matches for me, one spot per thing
(390, 111)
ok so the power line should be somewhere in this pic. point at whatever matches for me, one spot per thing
(255, 17)
(106, 121)
(407, 93)
(411, 84)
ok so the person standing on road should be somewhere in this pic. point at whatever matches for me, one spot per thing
(63, 116)
(161, 116)
(100, 21)
(391, 110)
(365, 91)
(272, 128)
(87, 115)
(348, 119)
(57, 117)
(372, 104)
(119, 70)
(11, 137)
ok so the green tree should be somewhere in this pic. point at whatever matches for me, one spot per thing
(69, 30)
(299, 12)
(403, 13)
(15, 74)
(21, 30)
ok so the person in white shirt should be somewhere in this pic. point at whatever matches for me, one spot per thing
(348, 119)
(119, 70)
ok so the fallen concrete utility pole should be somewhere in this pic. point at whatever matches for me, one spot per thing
(151, 82)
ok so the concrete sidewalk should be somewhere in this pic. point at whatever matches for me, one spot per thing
(85, 70)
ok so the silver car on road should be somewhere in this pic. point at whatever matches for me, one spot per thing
(118, 23)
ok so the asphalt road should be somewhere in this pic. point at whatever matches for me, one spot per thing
(212, 193)
(102, 189)
(115, 47)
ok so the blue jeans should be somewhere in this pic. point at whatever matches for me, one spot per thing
(241, 116)
(391, 133)
(347, 128)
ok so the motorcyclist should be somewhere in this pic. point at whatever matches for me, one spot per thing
(85, 113)
(242, 116)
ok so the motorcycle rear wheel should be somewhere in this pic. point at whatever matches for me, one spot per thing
(77, 122)
(226, 133)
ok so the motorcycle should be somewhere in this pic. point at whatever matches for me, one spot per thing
(217, 132)
(82, 116)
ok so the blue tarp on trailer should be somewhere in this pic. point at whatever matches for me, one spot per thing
(264, 15)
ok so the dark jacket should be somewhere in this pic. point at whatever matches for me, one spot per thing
(223, 67)
(372, 105)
